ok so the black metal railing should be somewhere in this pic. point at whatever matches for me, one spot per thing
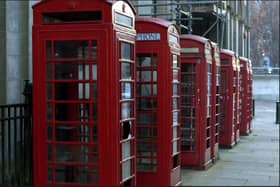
(16, 142)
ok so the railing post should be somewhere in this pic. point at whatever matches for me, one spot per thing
(253, 107)
(28, 150)
(278, 112)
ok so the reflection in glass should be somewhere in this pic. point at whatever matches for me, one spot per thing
(72, 71)
(175, 89)
(94, 90)
(50, 173)
(155, 60)
(144, 90)
(94, 72)
(75, 174)
(71, 111)
(49, 91)
(155, 76)
(126, 52)
(126, 130)
(155, 89)
(71, 153)
(188, 68)
(144, 118)
(66, 87)
(126, 150)
(175, 103)
(83, 91)
(48, 71)
(146, 104)
(48, 48)
(126, 110)
(175, 74)
(83, 71)
(175, 132)
(72, 133)
(145, 76)
(126, 169)
(126, 71)
(49, 111)
(175, 147)
(175, 117)
(94, 49)
(71, 49)
(144, 61)
(175, 61)
(126, 90)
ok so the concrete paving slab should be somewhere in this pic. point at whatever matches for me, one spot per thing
(228, 181)
(254, 161)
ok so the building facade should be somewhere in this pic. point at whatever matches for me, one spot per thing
(16, 49)
(225, 22)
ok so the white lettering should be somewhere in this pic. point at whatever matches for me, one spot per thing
(147, 36)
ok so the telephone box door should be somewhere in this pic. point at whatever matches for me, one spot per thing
(148, 130)
(223, 103)
(190, 100)
(69, 133)
(227, 108)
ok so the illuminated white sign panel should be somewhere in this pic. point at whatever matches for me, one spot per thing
(147, 36)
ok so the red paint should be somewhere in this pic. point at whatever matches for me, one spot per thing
(228, 97)
(158, 124)
(238, 103)
(196, 75)
(250, 95)
(83, 95)
(215, 102)
(244, 73)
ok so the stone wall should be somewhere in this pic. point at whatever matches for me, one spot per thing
(266, 87)
(2, 51)
(14, 55)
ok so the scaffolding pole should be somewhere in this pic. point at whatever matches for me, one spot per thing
(176, 12)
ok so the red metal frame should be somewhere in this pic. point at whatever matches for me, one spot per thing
(215, 103)
(228, 98)
(84, 93)
(250, 95)
(244, 76)
(158, 112)
(238, 103)
(196, 93)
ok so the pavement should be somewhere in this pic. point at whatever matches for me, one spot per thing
(254, 161)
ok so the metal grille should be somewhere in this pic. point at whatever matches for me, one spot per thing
(15, 145)
(147, 125)
(240, 98)
(175, 110)
(127, 115)
(188, 102)
(218, 105)
(208, 105)
(223, 100)
(71, 74)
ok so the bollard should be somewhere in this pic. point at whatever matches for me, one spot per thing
(27, 157)
(278, 112)
(253, 113)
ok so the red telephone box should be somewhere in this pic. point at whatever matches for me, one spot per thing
(238, 100)
(250, 95)
(244, 76)
(158, 99)
(196, 93)
(84, 93)
(228, 98)
(215, 102)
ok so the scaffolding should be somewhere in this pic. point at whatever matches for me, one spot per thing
(201, 17)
